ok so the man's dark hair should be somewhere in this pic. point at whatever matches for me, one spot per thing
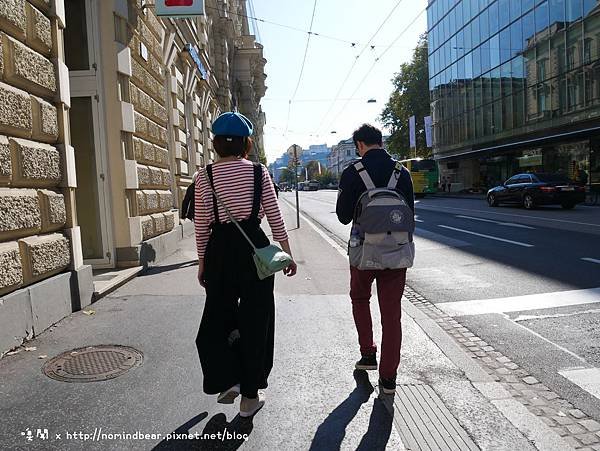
(228, 146)
(368, 134)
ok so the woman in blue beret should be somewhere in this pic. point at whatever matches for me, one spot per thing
(236, 336)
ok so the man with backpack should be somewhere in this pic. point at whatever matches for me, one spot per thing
(376, 195)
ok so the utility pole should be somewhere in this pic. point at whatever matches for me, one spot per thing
(296, 178)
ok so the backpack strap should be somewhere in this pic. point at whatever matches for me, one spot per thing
(258, 175)
(395, 177)
(364, 175)
(209, 172)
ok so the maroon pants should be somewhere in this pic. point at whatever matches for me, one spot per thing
(390, 287)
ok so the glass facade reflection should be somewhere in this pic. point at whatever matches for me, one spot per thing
(505, 72)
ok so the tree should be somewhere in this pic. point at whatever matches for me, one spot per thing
(409, 98)
(287, 175)
(313, 169)
(326, 178)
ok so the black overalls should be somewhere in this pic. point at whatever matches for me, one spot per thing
(235, 340)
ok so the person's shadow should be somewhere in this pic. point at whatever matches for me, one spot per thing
(331, 432)
(218, 434)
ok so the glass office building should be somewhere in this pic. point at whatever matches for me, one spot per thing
(515, 87)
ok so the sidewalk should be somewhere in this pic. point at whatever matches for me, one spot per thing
(315, 401)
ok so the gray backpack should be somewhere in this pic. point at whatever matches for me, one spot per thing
(383, 226)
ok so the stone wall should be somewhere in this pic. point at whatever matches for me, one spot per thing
(152, 201)
(33, 212)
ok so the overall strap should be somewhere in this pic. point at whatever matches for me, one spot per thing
(364, 175)
(209, 172)
(258, 175)
(395, 177)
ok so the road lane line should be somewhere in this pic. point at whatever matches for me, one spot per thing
(591, 260)
(521, 303)
(586, 378)
(508, 224)
(435, 207)
(487, 236)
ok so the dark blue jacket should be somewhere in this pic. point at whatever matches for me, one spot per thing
(379, 164)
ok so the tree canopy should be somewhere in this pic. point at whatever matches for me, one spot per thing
(409, 98)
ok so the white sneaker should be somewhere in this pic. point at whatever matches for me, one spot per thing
(227, 397)
(249, 406)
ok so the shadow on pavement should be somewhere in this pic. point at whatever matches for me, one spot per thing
(331, 432)
(218, 434)
(380, 428)
(166, 268)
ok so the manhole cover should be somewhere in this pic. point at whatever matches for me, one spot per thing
(93, 363)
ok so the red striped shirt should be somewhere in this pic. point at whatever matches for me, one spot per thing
(234, 182)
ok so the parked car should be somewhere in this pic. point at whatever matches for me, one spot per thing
(530, 190)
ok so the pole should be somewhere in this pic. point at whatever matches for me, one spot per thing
(296, 178)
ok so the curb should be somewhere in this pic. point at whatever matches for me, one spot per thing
(534, 429)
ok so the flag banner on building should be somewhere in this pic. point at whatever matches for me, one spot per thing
(179, 8)
(412, 125)
(428, 131)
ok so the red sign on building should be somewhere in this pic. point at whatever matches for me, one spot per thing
(179, 8)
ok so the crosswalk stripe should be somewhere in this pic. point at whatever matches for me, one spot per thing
(591, 260)
(521, 303)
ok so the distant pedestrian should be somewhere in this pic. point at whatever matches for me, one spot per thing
(444, 184)
(449, 185)
(376, 195)
(236, 336)
(187, 205)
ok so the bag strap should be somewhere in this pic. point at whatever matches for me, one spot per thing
(258, 173)
(395, 177)
(209, 172)
(364, 175)
(220, 202)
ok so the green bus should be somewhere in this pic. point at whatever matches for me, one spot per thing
(425, 175)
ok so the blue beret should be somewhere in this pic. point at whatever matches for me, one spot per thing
(232, 124)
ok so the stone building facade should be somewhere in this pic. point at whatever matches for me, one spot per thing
(105, 113)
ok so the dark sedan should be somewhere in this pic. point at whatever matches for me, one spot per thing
(530, 190)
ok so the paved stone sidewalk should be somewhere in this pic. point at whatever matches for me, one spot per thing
(577, 428)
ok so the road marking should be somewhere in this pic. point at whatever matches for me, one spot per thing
(435, 207)
(586, 378)
(556, 315)
(591, 260)
(518, 243)
(508, 224)
(521, 303)
(435, 240)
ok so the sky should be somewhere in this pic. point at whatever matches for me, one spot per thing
(313, 114)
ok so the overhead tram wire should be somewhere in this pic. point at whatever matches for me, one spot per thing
(312, 20)
(388, 48)
(339, 92)
(289, 27)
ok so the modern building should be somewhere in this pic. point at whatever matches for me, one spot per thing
(515, 87)
(104, 118)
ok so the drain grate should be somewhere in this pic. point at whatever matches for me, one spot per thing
(93, 363)
(425, 423)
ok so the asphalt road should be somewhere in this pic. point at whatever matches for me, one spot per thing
(527, 282)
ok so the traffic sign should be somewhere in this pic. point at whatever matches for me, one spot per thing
(295, 151)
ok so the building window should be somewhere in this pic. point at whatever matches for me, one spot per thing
(587, 51)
